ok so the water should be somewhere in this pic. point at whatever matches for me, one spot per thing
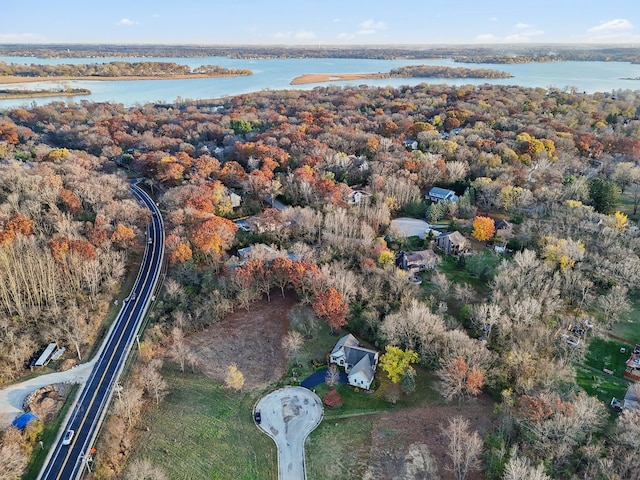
(275, 74)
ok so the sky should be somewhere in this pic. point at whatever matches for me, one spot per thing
(320, 22)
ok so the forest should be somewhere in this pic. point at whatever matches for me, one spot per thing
(115, 69)
(559, 165)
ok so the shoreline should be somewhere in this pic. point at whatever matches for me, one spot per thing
(13, 79)
(46, 93)
(335, 77)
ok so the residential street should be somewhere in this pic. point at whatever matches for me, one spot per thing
(289, 415)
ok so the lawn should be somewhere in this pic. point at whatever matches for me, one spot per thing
(601, 385)
(202, 430)
(628, 326)
(606, 354)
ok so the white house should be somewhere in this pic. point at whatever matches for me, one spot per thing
(437, 194)
(359, 363)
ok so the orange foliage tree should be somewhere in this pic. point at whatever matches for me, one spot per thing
(483, 228)
(213, 236)
(122, 235)
(330, 306)
(182, 253)
(17, 224)
(458, 379)
(70, 201)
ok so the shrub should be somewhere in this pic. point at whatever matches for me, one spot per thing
(333, 399)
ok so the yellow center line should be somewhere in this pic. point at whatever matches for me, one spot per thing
(84, 418)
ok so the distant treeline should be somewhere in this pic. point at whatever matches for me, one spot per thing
(115, 69)
(462, 53)
(435, 71)
(22, 93)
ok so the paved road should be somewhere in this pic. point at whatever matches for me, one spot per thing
(289, 415)
(65, 462)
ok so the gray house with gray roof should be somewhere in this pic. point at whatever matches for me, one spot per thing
(359, 363)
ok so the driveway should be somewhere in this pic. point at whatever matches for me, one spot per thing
(12, 396)
(289, 415)
(409, 227)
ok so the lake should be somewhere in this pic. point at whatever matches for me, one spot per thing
(275, 74)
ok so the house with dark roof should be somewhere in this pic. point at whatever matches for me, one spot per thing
(437, 194)
(359, 363)
(503, 229)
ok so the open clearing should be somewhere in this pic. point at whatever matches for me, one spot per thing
(251, 339)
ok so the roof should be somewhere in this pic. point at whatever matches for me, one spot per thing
(440, 192)
(454, 237)
(501, 224)
(421, 256)
(258, 250)
(365, 367)
(347, 340)
(354, 355)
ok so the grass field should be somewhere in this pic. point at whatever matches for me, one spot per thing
(601, 385)
(629, 326)
(202, 430)
(605, 353)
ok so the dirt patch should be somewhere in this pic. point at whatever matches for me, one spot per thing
(408, 444)
(252, 340)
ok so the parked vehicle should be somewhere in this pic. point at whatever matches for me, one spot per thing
(257, 416)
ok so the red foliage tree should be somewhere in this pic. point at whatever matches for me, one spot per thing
(213, 236)
(330, 306)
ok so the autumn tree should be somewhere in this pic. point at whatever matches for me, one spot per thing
(483, 228)
(213, 236)
(395, 362)
(329, 305)
(458, 379)
(122, 235)
(235, 378)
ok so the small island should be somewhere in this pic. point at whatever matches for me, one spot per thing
(24, 93)
(18, 73)
(411, 71)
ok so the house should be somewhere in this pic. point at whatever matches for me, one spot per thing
(260, 251)
(356, 196)
(452, 243)
(415, 262)
(410, 144)
(359, 363)
(503, 229)
(437, 194)
(632, 366)
(234, 199)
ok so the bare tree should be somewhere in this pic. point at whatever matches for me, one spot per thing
(142, 469)
(292, 342)
(519, 468)
(152, 380)
(332, 376)
(179, 350)
(465, 447)
(129, 403)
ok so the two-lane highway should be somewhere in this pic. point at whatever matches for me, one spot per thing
(65, 462)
